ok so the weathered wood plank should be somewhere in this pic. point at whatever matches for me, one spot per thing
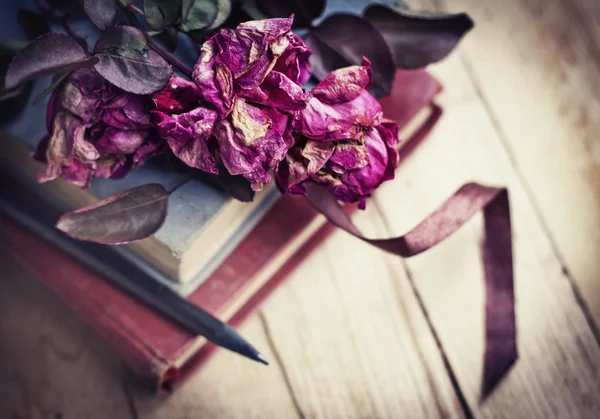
(352, 339)
(536, 65)
(228, 386)
(557, 374)
(50, 365)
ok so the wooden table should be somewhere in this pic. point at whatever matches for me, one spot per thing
(356, 333)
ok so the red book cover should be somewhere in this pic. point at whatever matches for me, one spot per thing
(153, 347)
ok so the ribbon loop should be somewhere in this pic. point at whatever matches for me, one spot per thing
(469, 199)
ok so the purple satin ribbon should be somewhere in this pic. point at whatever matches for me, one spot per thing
(500, 325)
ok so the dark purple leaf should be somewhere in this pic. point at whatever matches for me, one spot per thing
(32, 24)
(304, 11)
(125, 39)
(49, 54)
(236, 186)
(198, 14)
(101, 12)
(123, 218)
(418, 39)
(342, 40)
(124, 60)
(161, 13)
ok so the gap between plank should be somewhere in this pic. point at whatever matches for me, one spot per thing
(449, 371)
(128, 395)
(589, 318)
(278, 360)
(574, 8)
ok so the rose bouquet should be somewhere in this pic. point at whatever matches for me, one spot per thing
(260, 104)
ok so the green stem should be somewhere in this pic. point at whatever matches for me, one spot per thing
(179, 185)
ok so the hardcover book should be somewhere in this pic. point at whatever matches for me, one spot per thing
(157, 350)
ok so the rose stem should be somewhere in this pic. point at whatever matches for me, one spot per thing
(180, 184)
(172, 59)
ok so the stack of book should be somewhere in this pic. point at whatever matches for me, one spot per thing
(217, 253)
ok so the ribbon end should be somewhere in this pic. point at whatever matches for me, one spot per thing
(494, 372)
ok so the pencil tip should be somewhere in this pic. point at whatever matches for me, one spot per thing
(260, 358)
(231, 340)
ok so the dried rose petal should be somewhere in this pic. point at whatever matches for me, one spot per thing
(116, 141)
(294, 62)
(344, 84)
(188, 134)
(279, 92)
(213, 78)
(260, 61)
(250, 50)
(179, 95)
(253, 141)
(348, 120)
(355, 185)
(342, 108)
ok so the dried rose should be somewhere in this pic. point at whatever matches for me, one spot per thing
(250, 141)
(240, 108)
(343, 142)
(95, 129)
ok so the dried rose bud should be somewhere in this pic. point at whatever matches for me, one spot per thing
(95, 129)
(342, 141)
(261, 60)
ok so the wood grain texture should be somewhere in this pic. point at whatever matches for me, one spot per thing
(228, 386)
(50, 365)
(356, 333)
(557, 373)
(536, 67)
(352, 339)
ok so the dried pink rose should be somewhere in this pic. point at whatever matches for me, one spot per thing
(342, 140)
(95, 129)
(241, 106)
(250, 141)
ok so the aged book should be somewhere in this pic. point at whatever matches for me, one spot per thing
(157, 350)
